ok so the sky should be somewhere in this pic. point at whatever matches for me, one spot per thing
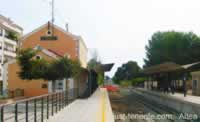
(117, 29)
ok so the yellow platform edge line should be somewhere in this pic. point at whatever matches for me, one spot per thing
(103, 105)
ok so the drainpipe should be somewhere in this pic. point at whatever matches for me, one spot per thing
(2, 47)
(90, 80)
(3, 87)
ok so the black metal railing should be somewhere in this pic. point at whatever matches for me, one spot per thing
(38, 108)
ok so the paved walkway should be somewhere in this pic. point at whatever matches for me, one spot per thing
(94, 109)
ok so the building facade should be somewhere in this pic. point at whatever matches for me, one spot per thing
(27, 87)
(54, 40)
(64, 43)
(9, 35)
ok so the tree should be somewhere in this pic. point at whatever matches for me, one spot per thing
(76, 68)
(178, 47)
(27, 64)
(95, 64)
(107, 77)
(12, 35)
(127, 71)
(60, 69)
(137, 80)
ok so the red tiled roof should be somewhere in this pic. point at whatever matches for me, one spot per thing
(57, 52)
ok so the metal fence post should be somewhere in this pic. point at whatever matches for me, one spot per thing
(42, 109)
(47, 107)
(35, 110)
(59, 96)
(74, 94)
(56, 102)
(66, 98)
(2, 114)
(27, 111)
(52, 104)
(63, 96)
(77, 94)
(61, 100)
(16, 112)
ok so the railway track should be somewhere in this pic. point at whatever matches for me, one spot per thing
(132, 98)
(156, 108)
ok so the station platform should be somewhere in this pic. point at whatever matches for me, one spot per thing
(189, 104)
(178, 96)
(96, 108)
(188, 98)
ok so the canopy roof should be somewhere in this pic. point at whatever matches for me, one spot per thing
(107, 67)
(167, 67)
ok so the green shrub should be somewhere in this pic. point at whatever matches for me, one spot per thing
(125, 83)
(135, 81)
(13, 36)
(2, 97)
(100, 79)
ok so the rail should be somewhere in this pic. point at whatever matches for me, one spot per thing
(37, 108)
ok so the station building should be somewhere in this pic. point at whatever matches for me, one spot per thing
(170, 76)
(55, 42)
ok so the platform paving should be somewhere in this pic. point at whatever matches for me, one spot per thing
(188, 98)
(93, 109)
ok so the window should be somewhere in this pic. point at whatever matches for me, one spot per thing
(194, 84)
(60, 85)
(44, 86)
(49, 32)
(6, 33)
(1, 31)
(38, 57)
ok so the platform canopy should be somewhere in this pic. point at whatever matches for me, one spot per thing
(107, 67)
(167, 67)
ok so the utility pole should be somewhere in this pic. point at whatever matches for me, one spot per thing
(53, 11)
(53, 19)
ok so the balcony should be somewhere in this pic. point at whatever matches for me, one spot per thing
(9, 41)
(12, 28)
(9, 47)
(1, 72)
(8, 53)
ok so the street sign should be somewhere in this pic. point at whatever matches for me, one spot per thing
(48, 38)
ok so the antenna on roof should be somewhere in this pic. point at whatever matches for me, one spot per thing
(67, 27)
(52, 19)
(53, 11)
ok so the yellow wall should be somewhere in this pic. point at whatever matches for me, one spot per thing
(65, 44)
(30, 87)
(83, 53)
